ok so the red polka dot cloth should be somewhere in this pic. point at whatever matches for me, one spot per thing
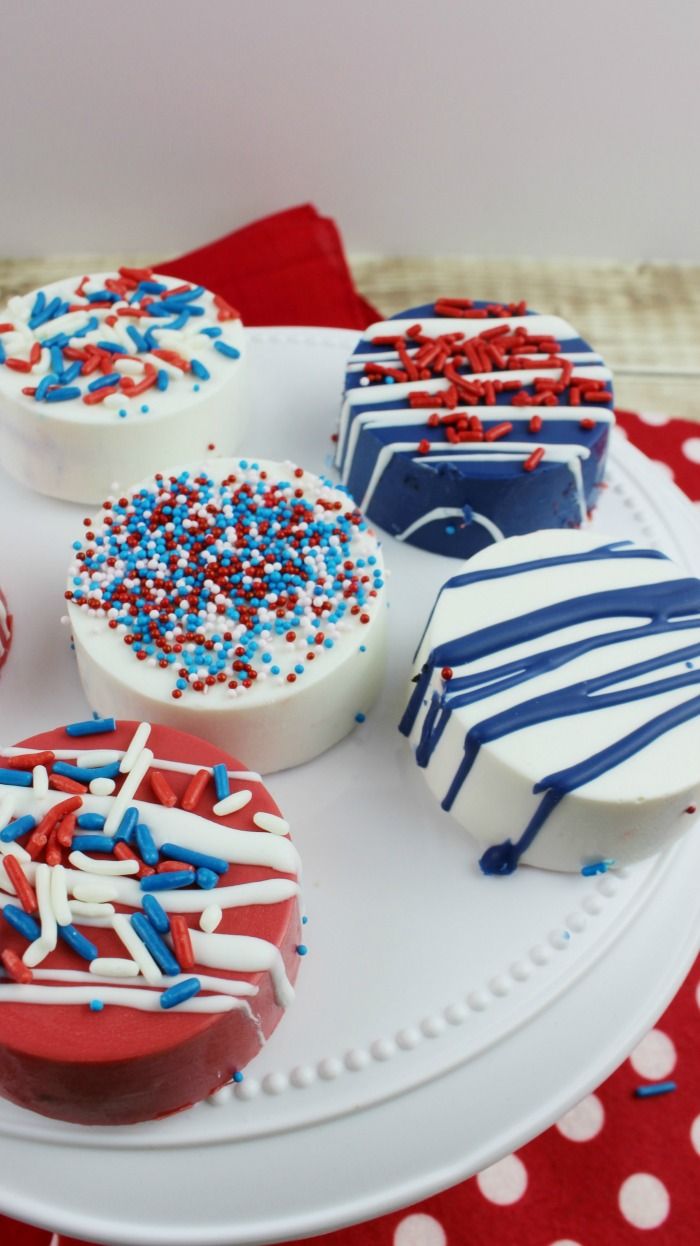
(617, 1170)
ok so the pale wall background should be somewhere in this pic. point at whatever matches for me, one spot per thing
(493, 127)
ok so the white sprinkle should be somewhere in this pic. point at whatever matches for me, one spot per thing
(42, 883)
(92, 865)
(232, 803)
(93, 892)
(114, 967)
(210, 918)
(36, 952)
(40, 781)
(128, 790)
(14, 850)
(137, 743)
(124, 929)
(102, 787)
(80, 908)
(59, 896)
(271, 822)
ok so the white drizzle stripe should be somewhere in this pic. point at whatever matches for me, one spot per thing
(59, 896)
(126, 997)
(450, 512)
(224, 986)
(244, 954)
(104, 758)
(42, 883)
(239, 895)
(125, 931)
(128, 789)
(138, 742)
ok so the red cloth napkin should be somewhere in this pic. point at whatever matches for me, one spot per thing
(617, 1170)
(285, 269)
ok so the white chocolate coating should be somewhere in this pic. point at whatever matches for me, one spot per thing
(79, 452)
(280, 723)
(638, 798)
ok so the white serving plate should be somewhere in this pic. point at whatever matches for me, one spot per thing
(442, 1018)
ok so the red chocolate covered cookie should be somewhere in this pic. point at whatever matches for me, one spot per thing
(151, 921)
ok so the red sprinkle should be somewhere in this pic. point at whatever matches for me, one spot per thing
(447, 673)
(28, 761)
(63, 784)
(16, 967)
(498, 431)
(162, 789)
(535, 424)
(123, 852)
(586, 423)
(182, 944)
(194, 790)
(24, 889)
(533, 459)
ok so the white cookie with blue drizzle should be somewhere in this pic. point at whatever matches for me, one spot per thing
(555, 707)
(428, 450)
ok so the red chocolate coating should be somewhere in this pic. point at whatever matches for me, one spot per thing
(122, 1065)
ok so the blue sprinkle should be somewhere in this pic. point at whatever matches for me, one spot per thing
(146, 844)
(20, 826)
(180, 992)
(78, 942)
(214, 331)
(302, 949)
(112, 348)
(17, 778)
(199, 369)
(363, 648)
(104, 382)
(149, 935)
(62, 393)
(168, 881)
(206, 879)
(195, 389)
(222, 786)
(84, 774)
(597, 867)
(92, 843)
(304, 920)
(360, 718)
(91, 821)
(122, 413)
(237, 1077)
(127, 827)
(653, 1089)
(92, 726)
(450, 530)
(96, 1005)
(162, 380)
(224, 349)
(155, 913)
(197, 859)
(21, 922)
(137, 338)
(44, 384)
(145, 409)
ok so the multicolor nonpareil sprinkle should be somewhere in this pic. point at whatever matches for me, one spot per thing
(114, 338)
(228, 581)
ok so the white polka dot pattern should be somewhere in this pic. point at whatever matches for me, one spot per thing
(691, 449)
(503, 1182)
(655, 1056)
(644, 1201)
(584, 1121)
(419, 1230)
